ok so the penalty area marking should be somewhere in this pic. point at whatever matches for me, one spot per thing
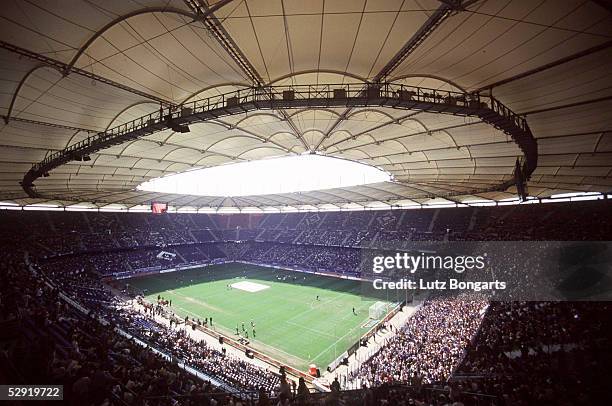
(247, 286)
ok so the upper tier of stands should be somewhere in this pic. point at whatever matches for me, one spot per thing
(124, 242)
(61, 232)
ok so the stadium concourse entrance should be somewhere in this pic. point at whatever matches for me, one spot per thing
(294, 318)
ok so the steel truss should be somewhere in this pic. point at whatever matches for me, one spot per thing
(390, 95)
(65, 69)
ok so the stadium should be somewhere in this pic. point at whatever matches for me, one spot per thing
(306, 202)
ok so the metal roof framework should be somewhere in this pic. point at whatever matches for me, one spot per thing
(70, 71)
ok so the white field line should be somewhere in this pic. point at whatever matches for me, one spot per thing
(318, 332)
(333, 344)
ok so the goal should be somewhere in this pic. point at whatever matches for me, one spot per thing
(378, 310)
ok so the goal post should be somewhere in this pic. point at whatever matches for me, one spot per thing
(378, 310)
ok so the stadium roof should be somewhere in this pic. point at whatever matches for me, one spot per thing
(97, 95)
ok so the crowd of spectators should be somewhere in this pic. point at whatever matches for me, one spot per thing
(222, 366)
(468, 346)
(344, 261)
(56, 343)
(45, 340)
(428, 347)
(69, 232)
(545, 353)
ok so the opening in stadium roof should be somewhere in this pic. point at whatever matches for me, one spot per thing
(270, 176)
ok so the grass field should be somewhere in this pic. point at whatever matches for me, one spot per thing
(291, 325)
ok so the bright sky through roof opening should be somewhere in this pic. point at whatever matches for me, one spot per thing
(271, 176)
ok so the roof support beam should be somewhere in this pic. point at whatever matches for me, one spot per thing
(426, 29)
(198, 16)
(249, 132)
(215, 28)
(380, 142)
(19, 86)
(248, 201)
(428, 194)
(399, 196)
(213, 25)
(330, 192)
(335, 125)
(116, 21)
(430, 25)
(295, 129)
(65, 68)
(47, 124)
(398, 120)
(225, 40)
(550, 65)
(566, 106)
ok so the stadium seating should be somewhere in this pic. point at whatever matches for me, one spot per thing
(467, 350)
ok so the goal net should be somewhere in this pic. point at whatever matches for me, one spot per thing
(378, 310)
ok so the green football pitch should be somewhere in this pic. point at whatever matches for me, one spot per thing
(290, 324)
